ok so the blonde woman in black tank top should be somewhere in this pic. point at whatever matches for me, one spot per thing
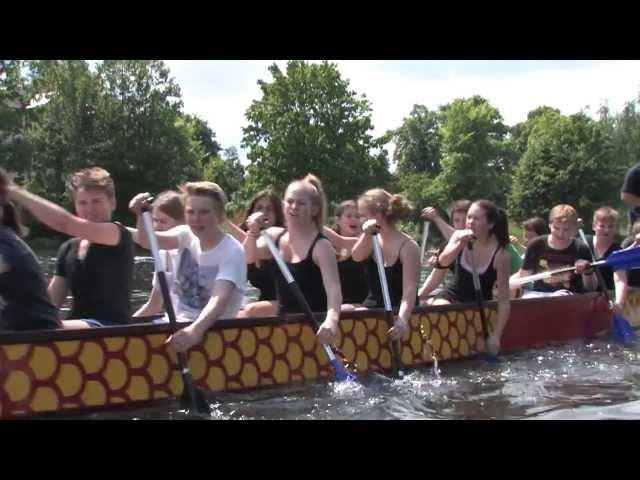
(304, 207)
(382, 209)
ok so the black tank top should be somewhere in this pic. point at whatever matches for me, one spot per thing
(101, 282)
(308, 277)
(263, 278)
(462, 285)
(394, 282)
(352, 281)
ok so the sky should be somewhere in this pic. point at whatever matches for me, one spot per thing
(221, 91)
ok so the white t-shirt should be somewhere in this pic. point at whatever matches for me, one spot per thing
(197, 272)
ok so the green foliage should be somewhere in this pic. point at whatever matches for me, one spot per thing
(418, 143)
(568, 160)
(308, 121)
(472, 146)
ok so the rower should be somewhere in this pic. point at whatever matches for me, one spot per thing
(602, 243)
(487, 227)
(630, 194)
(623, 279)
(559, 249)
(211, 274)
(96, 265)
(308, 254)
(24, 302)
(382, 211)
(344, 235)
(261, 274)
(167, 212)
(531, 228)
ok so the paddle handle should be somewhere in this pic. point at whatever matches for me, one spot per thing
(425, 236)
(187, 379)
(379, 258)
(549, 273)
(384, 286)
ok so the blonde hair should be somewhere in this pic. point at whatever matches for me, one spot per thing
(207, 189)
(393, 207)
(314, 186)
(604, 214)
(564, 213)
(93, 178)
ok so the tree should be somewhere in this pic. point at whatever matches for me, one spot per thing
(126, 117)
(568, 160)
(473, 153)
(309, 121)
(418, 143)
(225, 170)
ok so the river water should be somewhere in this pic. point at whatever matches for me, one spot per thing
(582, 380)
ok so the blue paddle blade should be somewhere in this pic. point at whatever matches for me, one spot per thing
(621, 330)
(342, 374)
(624, 259)
(491, 358)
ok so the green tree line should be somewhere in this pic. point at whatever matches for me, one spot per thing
(128, 117)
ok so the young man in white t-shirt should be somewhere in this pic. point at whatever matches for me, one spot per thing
(211, 272)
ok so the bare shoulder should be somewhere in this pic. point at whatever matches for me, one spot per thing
(409, 244)
(503, 258)
(323, 251)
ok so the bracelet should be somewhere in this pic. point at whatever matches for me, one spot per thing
(254, 235)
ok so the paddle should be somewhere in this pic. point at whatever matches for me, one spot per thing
(388, 312)
(480, 301)
(425, 236)
(621, 330)
(191, 397)
(619, 260)
(341, 372)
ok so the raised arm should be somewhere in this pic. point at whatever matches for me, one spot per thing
(60, 220)
(431, 214)
(457, 242)
(255, 249)
(364, 245)
(235, 231)
(339, 242)
(169, 240)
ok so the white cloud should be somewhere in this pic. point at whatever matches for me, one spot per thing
(221, 92)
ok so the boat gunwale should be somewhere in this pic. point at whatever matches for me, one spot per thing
(146, 328)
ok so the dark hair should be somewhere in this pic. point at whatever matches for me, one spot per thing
(536, 224)
(498, 217)
(276, 203)
(170, 203)
(10, 216)
(341, 208)
(462, 205)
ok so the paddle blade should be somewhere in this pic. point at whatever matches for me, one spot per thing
(624, 259)
(492, 358)
(342, 374)
(621, 330)
(199, 402)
